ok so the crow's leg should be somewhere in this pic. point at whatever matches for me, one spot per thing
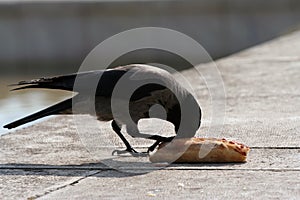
(158, 141)
(134, 132)
(129, 148)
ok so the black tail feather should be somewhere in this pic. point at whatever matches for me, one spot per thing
(55, 109)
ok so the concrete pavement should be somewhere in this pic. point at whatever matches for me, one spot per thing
(49, 161)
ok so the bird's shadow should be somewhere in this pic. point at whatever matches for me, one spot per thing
(118, 170)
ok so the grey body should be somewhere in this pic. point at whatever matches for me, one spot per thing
(146, 86)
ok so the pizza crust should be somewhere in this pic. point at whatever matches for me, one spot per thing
(200, 150)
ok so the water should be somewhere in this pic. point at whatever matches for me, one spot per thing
(18, 104)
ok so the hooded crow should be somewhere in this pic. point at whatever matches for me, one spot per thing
(124, 95)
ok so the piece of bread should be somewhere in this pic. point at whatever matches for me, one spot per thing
(200, 150)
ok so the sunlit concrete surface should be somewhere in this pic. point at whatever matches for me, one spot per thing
(48, 159)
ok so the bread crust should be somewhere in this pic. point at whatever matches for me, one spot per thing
(200, 150)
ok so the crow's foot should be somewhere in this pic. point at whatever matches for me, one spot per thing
(153, 146)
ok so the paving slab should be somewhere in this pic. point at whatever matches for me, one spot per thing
(53, 159)
(32, 183)
(185, 184)
(258, 159)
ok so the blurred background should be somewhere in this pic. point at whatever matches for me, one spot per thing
(44, 38)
